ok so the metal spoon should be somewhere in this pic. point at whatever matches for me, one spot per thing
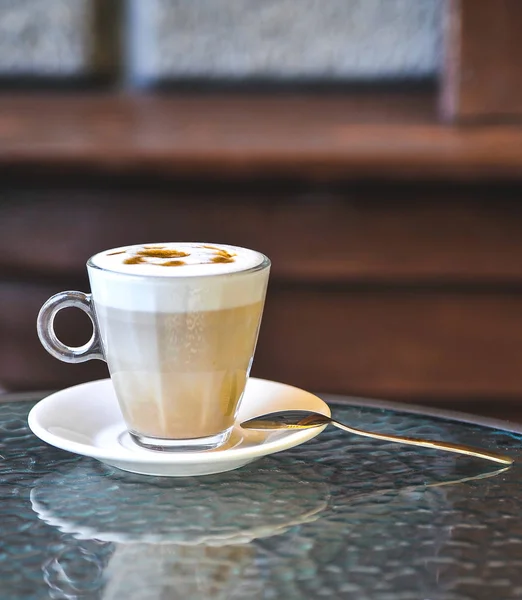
(304, 419)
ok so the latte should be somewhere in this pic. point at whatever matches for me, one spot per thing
(179, 325)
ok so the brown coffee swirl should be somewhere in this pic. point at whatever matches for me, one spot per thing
(163, 256)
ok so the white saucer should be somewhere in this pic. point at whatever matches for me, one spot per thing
(85, 419)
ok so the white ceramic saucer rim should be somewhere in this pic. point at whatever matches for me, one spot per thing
(290, 440)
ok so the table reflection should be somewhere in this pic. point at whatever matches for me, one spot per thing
(136, 536)
(340, 516)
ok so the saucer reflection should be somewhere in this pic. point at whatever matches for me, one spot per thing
(93, 501)
(175, 538)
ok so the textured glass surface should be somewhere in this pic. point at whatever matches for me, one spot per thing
(339, 517)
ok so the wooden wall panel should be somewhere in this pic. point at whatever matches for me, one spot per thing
(386, 136)
(436, 235)
(410, 344)
(482, 75)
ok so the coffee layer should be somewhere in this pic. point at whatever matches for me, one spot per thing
(180, 376)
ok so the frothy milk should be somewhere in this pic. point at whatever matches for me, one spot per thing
(177, 277)
(183, 259)
(179, 325)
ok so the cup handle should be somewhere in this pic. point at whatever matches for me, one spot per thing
(45, 327)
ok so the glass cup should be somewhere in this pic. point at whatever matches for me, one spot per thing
(179, 342)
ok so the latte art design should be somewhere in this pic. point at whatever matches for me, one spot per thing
(171, 257)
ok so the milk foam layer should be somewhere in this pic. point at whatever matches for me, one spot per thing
(178, 259)
(177, 277)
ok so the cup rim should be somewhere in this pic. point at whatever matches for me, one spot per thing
(264, 264)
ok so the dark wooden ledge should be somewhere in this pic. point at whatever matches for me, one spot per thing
(322, 136)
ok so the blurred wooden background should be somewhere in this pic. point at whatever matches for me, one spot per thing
(395, 230)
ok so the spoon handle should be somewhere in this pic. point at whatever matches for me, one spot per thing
(449, 447)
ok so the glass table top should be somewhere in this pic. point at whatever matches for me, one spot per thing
(338, 517)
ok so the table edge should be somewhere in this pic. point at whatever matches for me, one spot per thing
(428, 411)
